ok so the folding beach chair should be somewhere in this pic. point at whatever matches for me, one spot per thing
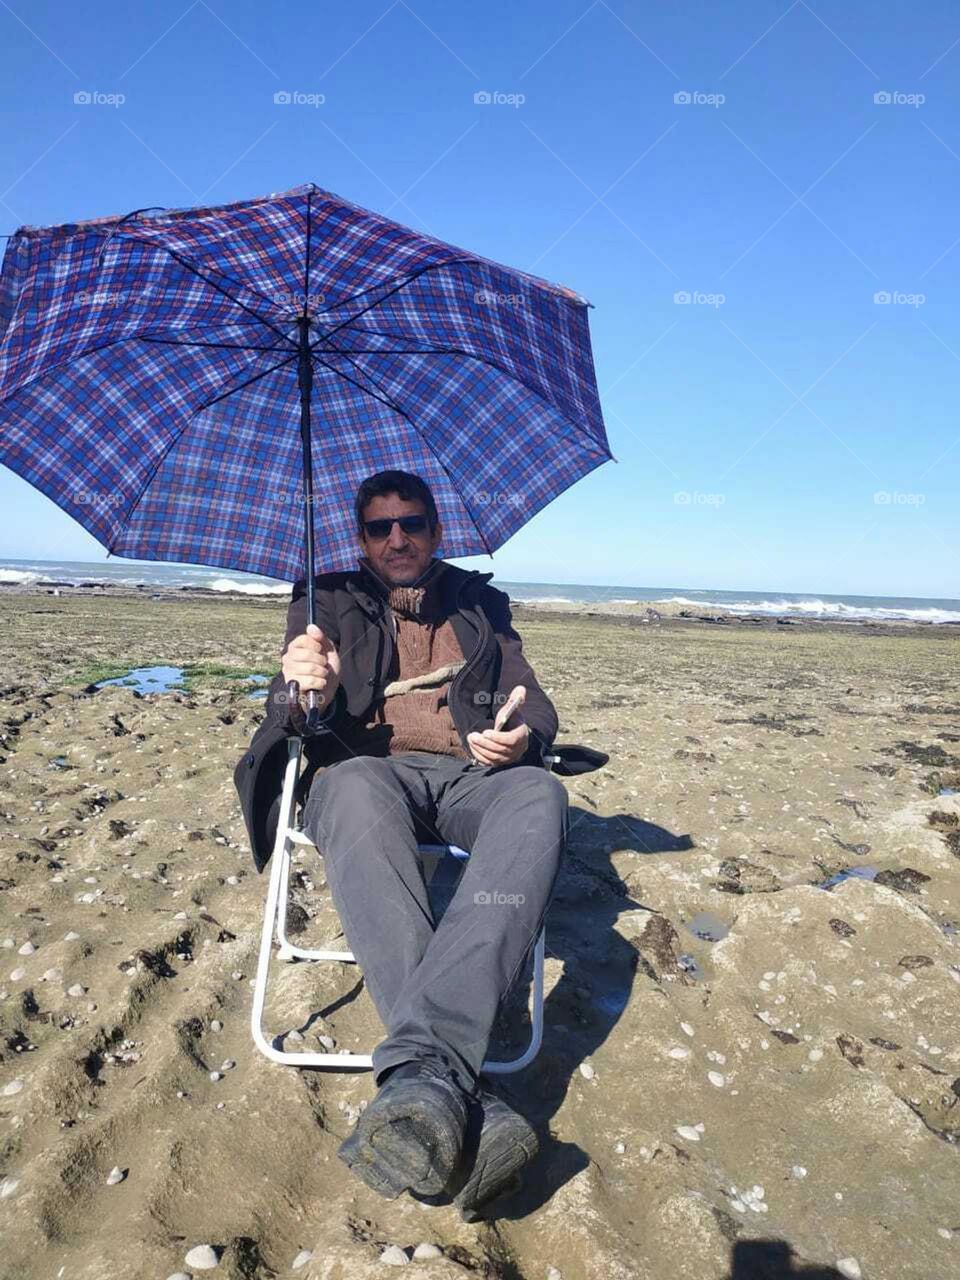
(274, 921)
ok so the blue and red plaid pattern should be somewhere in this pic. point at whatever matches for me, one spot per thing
(148, 379)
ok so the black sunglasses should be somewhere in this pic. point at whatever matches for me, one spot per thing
(380, 529)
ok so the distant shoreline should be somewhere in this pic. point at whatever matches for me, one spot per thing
(645, 613)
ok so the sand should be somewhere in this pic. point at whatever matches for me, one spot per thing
(780, 1101)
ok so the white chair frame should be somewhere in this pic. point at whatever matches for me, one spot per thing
(274, 921)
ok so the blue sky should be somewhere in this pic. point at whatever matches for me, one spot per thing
(783, 429)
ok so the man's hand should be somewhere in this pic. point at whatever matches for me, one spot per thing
(500, 746)
(313, 661)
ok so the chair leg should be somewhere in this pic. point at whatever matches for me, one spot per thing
(274, 921)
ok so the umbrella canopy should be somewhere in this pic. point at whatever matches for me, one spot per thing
(154, 369)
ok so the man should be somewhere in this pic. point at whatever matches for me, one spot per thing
(411, 662)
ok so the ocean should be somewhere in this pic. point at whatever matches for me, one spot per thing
(768, 603)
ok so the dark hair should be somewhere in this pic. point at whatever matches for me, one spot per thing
(407, 486)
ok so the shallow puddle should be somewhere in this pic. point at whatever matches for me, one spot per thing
(147, 679)
(707, 927)
(850, 873)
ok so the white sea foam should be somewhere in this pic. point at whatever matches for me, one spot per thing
(823, 609)
(249, 588)
(22, 576)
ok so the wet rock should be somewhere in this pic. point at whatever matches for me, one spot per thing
(915, 962)
(851, 1048)
(739, 875)
(841, 928)
(906, 880)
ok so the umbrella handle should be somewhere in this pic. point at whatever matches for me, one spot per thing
(313, 709)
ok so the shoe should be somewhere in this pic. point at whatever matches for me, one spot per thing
(498, 1144)
(410, 1136)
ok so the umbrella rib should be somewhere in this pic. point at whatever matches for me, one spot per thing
(397, 409)
(468, 355)
(185, 262)
(179, 436)
(220, 346)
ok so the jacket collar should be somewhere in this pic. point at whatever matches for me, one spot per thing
(455, 584)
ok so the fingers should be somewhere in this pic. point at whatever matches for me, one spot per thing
(490, 751)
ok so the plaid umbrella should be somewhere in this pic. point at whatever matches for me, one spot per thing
(154, 369)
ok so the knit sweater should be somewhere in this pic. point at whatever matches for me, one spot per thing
(415, 719)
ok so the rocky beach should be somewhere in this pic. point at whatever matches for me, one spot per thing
(751, 1061)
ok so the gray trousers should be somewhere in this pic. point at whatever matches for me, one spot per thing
(437, 986)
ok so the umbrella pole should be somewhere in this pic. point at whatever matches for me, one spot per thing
(305, 380)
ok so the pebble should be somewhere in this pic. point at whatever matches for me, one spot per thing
(689, 1132)
(115, 1175)
(9, 942)
(394, 1256)
(427, 1250)
(215, 1076)
(236, 879)
(26, 950)
(72, 936)
(179, 1275)
(216, 1025)
(678, 1053)
(850, 1268)
(686, 1028)
(587, 1071)
(52, 975)
(295, 1036)
(228, 1065)
(301, 1260)
(327, 1042)
(203, 1257)
(798, 1171)
(619, 1148)
(78, 989)
(237, 976)
(554, 1274)
(10, 1089)
(17, 974)
(7, 1187)
(181, 915)
(815, 1055)
(716, 1078)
